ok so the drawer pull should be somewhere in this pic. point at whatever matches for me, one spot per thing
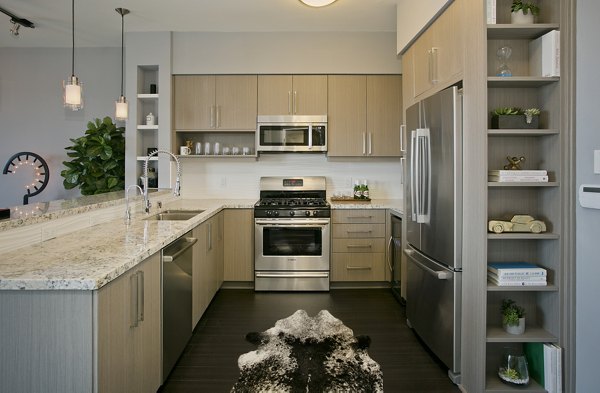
(358, 267)
(359, 246)
(359, 231)
(366, 217)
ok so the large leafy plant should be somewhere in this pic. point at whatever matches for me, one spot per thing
(98, 159)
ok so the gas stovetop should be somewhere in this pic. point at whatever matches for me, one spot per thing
(298, 197)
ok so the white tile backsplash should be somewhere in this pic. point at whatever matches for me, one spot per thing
(239, 178)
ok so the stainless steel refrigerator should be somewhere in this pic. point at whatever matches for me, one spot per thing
(434, 217)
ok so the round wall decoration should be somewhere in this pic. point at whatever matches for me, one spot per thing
(40, 168)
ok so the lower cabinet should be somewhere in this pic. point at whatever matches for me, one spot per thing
(358, 245)
(128, 330)
(239, 247)
(207, 266)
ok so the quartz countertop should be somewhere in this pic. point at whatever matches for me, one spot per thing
(89, 259)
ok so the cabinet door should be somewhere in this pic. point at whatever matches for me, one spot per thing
(147, 348)
(212, 258)
(423, 62)
(194, 102)
(239, 247)
(236, 102)
(357, 266)
(274, 94)
(384, 115)
(347, 115)
(220, 249)
(309, 95)
(116, 334)
(447, 38)
(408, 78)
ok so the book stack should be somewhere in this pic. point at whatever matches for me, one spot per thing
(509, 274)
(545, 365)
(491, 12)
(532, 176)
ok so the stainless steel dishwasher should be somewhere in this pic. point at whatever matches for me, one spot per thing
(395, 254)
(176, 299)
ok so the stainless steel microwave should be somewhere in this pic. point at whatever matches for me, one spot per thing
(291, 134)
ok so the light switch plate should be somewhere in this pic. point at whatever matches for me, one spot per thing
(597, 162)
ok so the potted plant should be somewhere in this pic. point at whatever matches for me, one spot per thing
(513, 117)
(98, 159)
(523, 13)
(513, 317)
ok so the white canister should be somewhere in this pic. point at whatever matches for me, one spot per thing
(198, 148)
(217, 149)
(207, 148)
(150, 119)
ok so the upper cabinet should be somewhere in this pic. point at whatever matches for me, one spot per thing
(365, 113)
(437, 53)
(292, 94)
(209, 102)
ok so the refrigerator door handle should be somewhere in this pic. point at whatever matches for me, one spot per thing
(439, 274)
(402, 131)
(413, 175)
(423, 164)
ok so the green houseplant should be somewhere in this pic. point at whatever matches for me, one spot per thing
(514, 118)
(98, 159)
(523, 13)
(513, 317)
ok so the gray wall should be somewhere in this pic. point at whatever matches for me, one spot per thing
(588, 220)
(32, 117)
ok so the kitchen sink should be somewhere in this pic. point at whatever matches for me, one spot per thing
(175, 215)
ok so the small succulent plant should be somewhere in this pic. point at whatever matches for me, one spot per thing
(507, 111)
(518, 5)
(511, 312)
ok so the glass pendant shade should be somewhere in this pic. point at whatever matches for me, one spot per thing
(73, 93)
(121, 108)
(317, 3)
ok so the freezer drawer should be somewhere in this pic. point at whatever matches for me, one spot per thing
(433, 307)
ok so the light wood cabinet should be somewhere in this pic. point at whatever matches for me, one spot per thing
(239, 247)
(207, 266)
(365, 113)
(128, 321)
(438, 53)
(358, 245)
(214, 102)
(292, 94)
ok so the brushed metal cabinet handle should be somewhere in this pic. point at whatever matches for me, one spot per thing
(289, 102)
(295, 102)
(358, 267)
(359, 246)
(141, 295)
(133, 302)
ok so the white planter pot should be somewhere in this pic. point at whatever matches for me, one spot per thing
(517, 329)
(519, 18)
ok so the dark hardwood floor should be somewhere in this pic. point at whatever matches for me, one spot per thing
(209, 362)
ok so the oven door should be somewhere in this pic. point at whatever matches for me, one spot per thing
(291, 244)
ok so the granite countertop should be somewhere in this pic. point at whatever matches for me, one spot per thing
(89, 259)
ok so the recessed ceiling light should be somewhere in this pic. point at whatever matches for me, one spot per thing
(317, 3)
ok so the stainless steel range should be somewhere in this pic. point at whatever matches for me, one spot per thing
(291, 251)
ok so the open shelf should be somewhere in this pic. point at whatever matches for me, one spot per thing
(522, 184)
(143, 158)
(514, 31)
(522, 132)
(491, 287)
(534, 334)
(521, 81)
(147, 96)
(226, 156)
(495, 385)
(145, 127)
(522, 236)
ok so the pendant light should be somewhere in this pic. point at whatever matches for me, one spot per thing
(121, 105)
(72, 88)
(317, 3)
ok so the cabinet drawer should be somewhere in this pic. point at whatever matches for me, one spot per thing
(358, 230)
(359, 216)
(359, 245)
(357, 266)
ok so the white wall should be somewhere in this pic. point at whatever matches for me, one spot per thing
(32, 116)
(285, 53)
(588, 220)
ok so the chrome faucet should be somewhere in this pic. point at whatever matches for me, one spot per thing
(127, 211)
(176, 189)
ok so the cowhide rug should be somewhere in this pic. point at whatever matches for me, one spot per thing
(308, 354)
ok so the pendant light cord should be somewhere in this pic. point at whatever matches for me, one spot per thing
(73, 36)
(122, 51)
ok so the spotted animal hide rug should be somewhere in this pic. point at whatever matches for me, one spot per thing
(308, 354)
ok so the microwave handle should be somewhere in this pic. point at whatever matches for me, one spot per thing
(310, 127)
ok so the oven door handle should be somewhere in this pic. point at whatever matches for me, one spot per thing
(293, 275)
(297, 222)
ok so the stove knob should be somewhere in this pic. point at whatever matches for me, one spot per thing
(307, 213)
(292, 213)
(314, 213)
(276, 213)
(269, 213)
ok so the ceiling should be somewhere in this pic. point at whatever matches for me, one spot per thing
(98, 24)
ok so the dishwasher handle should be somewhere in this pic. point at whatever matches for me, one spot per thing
(439, 274)
(190, 242)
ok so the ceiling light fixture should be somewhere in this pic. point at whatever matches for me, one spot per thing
(17, 22)
(317, 3)
(121, 106)
(72, 88)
